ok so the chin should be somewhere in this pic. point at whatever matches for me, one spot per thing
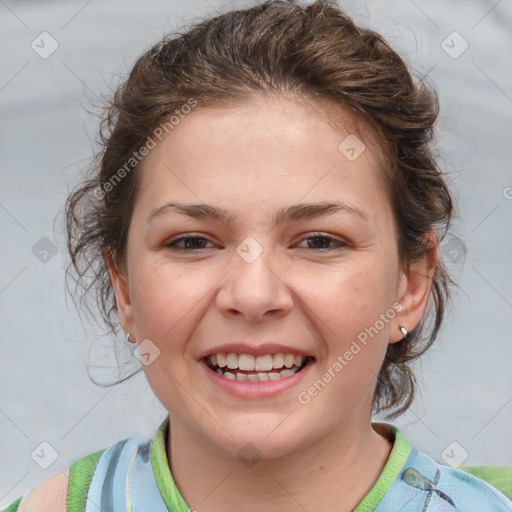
(262, 442)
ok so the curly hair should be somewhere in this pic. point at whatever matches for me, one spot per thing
(314, 53)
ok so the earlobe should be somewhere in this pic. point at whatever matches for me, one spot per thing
(120, 284)
(415, 288)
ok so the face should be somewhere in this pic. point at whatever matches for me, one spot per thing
(268, 274)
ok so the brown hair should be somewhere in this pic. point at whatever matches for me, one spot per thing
(314, 53)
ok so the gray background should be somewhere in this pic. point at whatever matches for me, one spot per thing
(47, 137)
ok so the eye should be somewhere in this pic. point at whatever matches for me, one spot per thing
(191, 243)
(321, 242)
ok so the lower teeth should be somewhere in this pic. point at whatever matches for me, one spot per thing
(257, 377)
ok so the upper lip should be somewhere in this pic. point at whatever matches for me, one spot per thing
(255, 350)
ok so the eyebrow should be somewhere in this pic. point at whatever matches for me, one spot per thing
(292, 213)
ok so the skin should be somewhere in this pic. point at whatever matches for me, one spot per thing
(252, 161)
(48, 496)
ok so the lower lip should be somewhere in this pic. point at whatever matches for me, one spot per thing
(254, 390)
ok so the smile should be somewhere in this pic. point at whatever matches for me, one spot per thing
(250, 368)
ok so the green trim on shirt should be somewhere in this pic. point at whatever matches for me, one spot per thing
(80, 476)
(13, 507)
(395, 463)
(168, 489)
(175, 502)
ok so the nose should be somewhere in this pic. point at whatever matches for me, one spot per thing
(255, 289)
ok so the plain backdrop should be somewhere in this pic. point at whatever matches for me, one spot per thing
(47, 136)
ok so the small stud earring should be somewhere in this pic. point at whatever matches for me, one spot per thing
(404, 331)
(128, 336)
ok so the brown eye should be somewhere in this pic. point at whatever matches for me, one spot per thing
(322, 242)
(190, 243)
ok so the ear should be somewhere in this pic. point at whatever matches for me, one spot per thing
(120, 283)
(414, 289)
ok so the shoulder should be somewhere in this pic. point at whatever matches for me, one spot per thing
(67, 487)
(473, 490)
(453, 488)
(48, 496)
(421, 479)
(71, 486)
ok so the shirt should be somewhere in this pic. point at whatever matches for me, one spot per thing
(133, 475)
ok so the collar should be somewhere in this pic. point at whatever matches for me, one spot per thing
(174, 501)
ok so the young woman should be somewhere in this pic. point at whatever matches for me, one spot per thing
(264, 223)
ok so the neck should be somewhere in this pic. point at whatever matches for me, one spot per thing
(334, 473)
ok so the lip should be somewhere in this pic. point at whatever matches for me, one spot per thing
(256, 390)
(260, 350)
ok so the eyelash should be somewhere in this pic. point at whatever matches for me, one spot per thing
(313, 235)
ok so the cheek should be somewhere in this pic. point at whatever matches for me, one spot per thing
(163, 299)
(348, 311)
(353, 298)
(166, 304)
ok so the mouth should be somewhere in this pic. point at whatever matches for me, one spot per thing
(250, 368)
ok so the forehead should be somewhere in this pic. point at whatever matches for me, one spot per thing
(264, 151)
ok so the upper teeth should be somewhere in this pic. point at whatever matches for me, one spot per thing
(256, 363)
